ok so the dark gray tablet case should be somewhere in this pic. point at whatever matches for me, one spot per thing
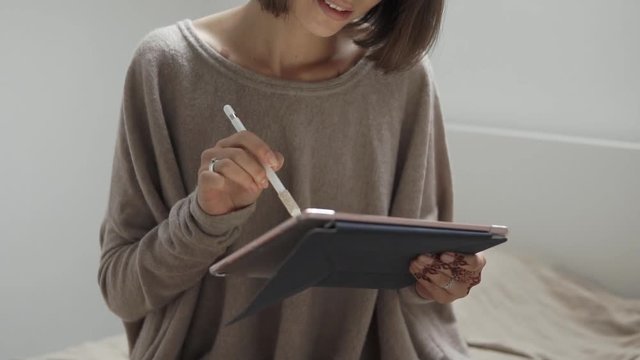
(350, 254)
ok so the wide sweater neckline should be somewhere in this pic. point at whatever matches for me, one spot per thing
(257, 80)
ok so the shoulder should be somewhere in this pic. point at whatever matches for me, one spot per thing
(161, 46)
(419, 96)
(420, 76)
(416, 80)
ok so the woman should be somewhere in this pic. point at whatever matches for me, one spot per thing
(340, 104)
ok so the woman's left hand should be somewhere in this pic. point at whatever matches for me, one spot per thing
(448, 276)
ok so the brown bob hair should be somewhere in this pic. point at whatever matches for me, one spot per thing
(398, 33)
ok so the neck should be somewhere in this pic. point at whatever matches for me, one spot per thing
(279, 46)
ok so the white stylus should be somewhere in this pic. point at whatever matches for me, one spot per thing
(283, 194)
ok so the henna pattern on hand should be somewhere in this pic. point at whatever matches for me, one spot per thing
(458, 274)
(474, 280)
(471, 278)
(459, 260)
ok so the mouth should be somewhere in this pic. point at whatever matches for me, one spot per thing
(334, 10)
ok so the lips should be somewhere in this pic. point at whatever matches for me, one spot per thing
(333, 12)
(341, 5)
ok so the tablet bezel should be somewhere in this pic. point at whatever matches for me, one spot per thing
(327, 216)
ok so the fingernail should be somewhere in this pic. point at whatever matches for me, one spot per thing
(425, 260)
(264, 183)
(272, 160)
(447, 257)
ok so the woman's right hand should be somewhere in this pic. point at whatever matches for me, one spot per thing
(239, 175)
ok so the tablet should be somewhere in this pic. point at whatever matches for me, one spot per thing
(360, 234)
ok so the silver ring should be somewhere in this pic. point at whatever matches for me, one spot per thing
(448, 285)
(212, 165)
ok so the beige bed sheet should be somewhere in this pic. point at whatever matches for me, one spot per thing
(110, 348)
(525, 310)
(522, 310)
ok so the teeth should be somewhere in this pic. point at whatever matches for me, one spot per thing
(334, 6)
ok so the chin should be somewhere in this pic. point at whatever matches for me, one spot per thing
(325, 33)
(315, 21)
(324, 30)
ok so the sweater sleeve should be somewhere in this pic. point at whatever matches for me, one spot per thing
(155, 240)
(423, 182)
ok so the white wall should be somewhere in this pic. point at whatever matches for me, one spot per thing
(571, 203)
(516, 64)
(542, 100)
(62, 65)
(568, 67)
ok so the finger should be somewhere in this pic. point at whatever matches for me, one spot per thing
(437, 293)
(280, 158)
(416, 269)
(233, 172)
(423, 292)
(457, 289)
(211, 180)
(419, 270)
(473, 281)
(439, 279)
(433, 265)
(246, 161)
(473, 262)
(254, 145)
(428, 265)
(425, 259)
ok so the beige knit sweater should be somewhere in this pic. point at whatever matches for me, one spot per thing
(363, 142)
